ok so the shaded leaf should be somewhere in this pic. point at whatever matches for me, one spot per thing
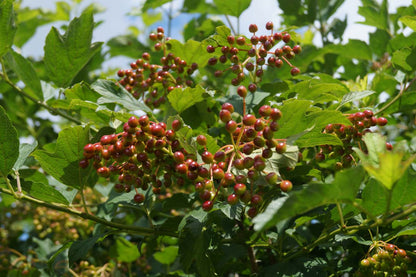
(342, 189)
(25, 150)
(26, 73)
(167, 255)
(9, 144)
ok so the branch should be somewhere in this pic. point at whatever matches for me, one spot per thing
(122, 227)
(38, 102)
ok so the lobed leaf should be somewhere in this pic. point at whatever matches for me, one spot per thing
(66, 55)
(63, 164)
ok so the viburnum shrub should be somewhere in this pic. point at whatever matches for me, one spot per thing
(271, 151)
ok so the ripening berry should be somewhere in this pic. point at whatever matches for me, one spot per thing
(239, 188)
(139, 198)
(389, 146)
(269, 25)
(249, 120)
(201, 140)
(103, 172)
(231, 126)
(275, 114)
(225, 115)
(294, 71)
(228, 106)
(232, 199)
(241, 40)
(286, 38)
(286, 185)
(297, 49)
(256, 200)
(83, 163)
(271, 178)
(207, 157)
(242, 91)
(281, 147)
(252, 28)
(231, 39)
(218, 174)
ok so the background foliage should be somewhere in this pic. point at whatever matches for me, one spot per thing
(57, 219)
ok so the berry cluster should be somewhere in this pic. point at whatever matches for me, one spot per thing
(152, 82)
(253, 55)
(147, 153)
(350, 136)
(388, 260)
(142, 154)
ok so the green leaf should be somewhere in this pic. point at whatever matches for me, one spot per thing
(111, 93)
(153, 4)
(125, 45)
(25, 150)
(374, 14)
(192, 51)
(385, 166)
(44, 192)
(79, 249)
(167, 255)
(26, 73)
(405, 58)
(63, 164)
(354, 96)
(124, 251)
(183, 98)
(66, 55)
(233, 8)
(409, 21)
(342, 189)
(320, 90)
(7, 26)
(9, 144)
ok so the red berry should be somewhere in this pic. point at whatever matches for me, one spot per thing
(176, 125)
(256, 200)
(381, 121)
(239, 188)
(218, 173)
(252, 212)
(269, 25)
(241, 40)
(242, 91)
(139, 198)
(228, 106)
(275, 114)
(249, 120)
(157, 130)
(201, 140)
(225, 116)
(231, 39)
(231, 126)
(232, 199)
(103, 172)
(252, 28)
(210, 49)
(182, 168)
(207, 206)
(83, 163)
(286, 38)
(252, 87)
(297, 49)
(281, 147)
(207, 157)
(286, 185)
(294, 71)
